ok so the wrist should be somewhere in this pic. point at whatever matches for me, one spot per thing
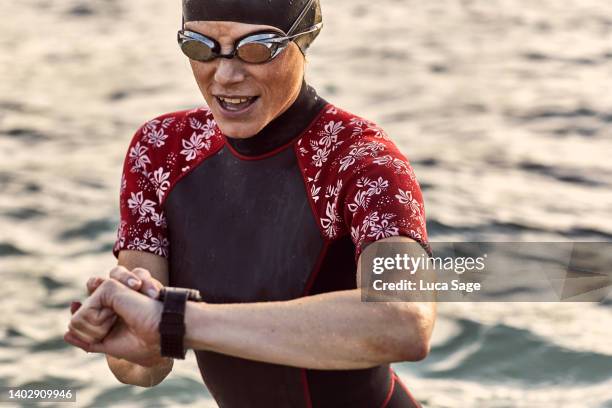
(195, 314)
(173, 323)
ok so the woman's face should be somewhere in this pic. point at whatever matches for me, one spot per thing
(270, 87)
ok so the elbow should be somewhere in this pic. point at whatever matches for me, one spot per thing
(140, 381)
(132, 374)
(417, 327)
(144, 381)
(418, 350)
(125, 378)
(128, 381)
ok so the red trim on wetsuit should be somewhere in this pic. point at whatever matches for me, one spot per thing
(391, 388)
(175, 181)
(307, 398)
(280, 148)
(317, 268)
(309, 283)
(397, 379)
(313, 206)
(260, 157)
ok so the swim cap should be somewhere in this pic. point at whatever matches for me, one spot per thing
(281, 14)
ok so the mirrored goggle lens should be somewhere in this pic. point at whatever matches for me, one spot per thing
(196, 50)
(254, 52)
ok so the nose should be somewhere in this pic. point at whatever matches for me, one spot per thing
(229, 72)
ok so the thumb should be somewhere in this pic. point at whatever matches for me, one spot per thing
(123, 301)
(128, 302)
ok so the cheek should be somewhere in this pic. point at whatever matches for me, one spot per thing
(202, 73)
(282, 76)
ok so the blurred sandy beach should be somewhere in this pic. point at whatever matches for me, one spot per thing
(503, 107)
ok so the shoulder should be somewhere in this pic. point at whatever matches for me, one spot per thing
(173, 142)
(340, 142)
(358, 180)
(166, 130)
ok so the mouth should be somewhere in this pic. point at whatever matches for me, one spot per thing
(235, 104)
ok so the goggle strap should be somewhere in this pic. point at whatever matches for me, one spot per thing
(309, 30)
(300, 18)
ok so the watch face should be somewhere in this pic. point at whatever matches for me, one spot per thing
(193, 295)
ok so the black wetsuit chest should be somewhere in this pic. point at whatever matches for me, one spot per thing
(242, 230)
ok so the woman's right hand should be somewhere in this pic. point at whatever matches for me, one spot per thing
(138, 279)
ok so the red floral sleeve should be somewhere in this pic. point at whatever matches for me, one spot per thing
(383, 198)
(358, 181)
(143, 223)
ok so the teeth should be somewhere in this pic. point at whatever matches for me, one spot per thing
(235, 101)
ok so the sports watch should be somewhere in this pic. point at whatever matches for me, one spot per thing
(172, 324)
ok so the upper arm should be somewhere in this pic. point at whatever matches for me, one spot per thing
(382, 198)
(419, 305)
(144, 183)
(389, 248)
(155, 264)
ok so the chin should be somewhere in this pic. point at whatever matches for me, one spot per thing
(238, 130)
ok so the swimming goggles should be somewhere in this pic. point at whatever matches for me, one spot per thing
(255, 48)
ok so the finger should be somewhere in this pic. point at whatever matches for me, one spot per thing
(111, 321)
(106, 314)
(80, 334)
(97, 317)
(74, 306)
(94, 327)
(93, 283)
(71, 338)
(150, 285)
(105, 329)
(86, 324)
(126, 277)
(90, 337)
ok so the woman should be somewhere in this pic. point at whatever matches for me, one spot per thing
(264, 202)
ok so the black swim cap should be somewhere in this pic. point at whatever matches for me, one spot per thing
(281, 14)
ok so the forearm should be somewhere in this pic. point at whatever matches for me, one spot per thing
(334, 330)
(134, 374)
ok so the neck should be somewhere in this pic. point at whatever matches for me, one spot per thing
(285, 128)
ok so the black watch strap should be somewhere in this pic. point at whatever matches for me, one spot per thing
(172, 325)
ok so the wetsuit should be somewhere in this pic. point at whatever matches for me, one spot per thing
(274, 217)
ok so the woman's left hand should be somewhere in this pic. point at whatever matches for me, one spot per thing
(138, 279)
